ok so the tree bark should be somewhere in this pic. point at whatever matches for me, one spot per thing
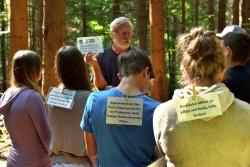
(211, 14)
(84, 18)
(3, 47)
(197, 5)
(183, 16)
(18, 28)
(116, 8)
(54, 37)
(159, 90)
(222, 15)
(246, 15)
(236, 5)
(142, 19)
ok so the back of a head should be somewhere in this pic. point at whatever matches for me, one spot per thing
(132, 62)
(26, 65)
(231, 28)
(119, 22)
(202, 56)
(71, 68)
(240, 45)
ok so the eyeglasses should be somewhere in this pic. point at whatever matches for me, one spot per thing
(123, 33)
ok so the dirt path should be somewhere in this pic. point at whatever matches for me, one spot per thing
(4, 143)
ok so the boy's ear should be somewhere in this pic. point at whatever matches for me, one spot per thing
(229, 53)
(145, 71)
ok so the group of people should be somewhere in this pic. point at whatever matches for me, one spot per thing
(206, 123)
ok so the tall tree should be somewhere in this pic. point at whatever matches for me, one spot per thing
(197, 4)
(39, 25)
(157, 54)
(142, 20)
(236, 5)
(3, 47)
(222, 15)
(116, 8)
(84, 18)
(246, 15)
(18, 28)
(211, 14)
(183, 15)
(54, 37)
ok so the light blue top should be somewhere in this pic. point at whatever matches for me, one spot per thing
(120, 145)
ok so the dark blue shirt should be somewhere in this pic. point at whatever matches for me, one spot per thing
(109, 66)
(247, 67)
(238, 82)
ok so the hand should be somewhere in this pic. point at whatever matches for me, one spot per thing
(90, 59)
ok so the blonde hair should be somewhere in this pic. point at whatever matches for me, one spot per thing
(202, 56)
(26, 66)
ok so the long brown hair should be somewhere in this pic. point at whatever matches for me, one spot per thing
(26, 66)
(71, 68)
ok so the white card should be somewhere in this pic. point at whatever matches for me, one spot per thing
(124, 111)
(207, 105)
(90, 44)
(61, 98)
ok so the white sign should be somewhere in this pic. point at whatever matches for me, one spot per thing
(124, 111)
(90, 44)
(61, 98)
(207, 105)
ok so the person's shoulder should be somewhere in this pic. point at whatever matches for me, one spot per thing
(166, 110)
(32, 94)
(240, 112)
(83, 93)
(242, 105)
(236, 70)
(102, 93)
(151, 100)
(105, 52)
(165, 116)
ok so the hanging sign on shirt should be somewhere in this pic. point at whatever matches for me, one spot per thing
(124, 111)
(61, 98)
(204, 106)
(90, 44)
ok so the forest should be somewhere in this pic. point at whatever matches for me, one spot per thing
(46, 25)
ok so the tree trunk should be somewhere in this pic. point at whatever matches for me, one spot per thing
(183, 16)
(116, 8)
(39, 20)
(197, 4)
(54, 37)
(211, 14)
(32, 6)
(236, 5)
(18, 28)
(246, 15)
(3, 47)
(157, 54)
(84, 18)
(222, 15)
(142, 19)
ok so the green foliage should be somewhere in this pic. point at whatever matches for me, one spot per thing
(99, 14)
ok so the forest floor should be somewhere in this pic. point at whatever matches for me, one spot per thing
(4, 143)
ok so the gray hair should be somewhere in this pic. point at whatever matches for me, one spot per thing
(120, 21)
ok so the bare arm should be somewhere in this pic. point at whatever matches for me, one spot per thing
(99, 80)
(90, 145)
